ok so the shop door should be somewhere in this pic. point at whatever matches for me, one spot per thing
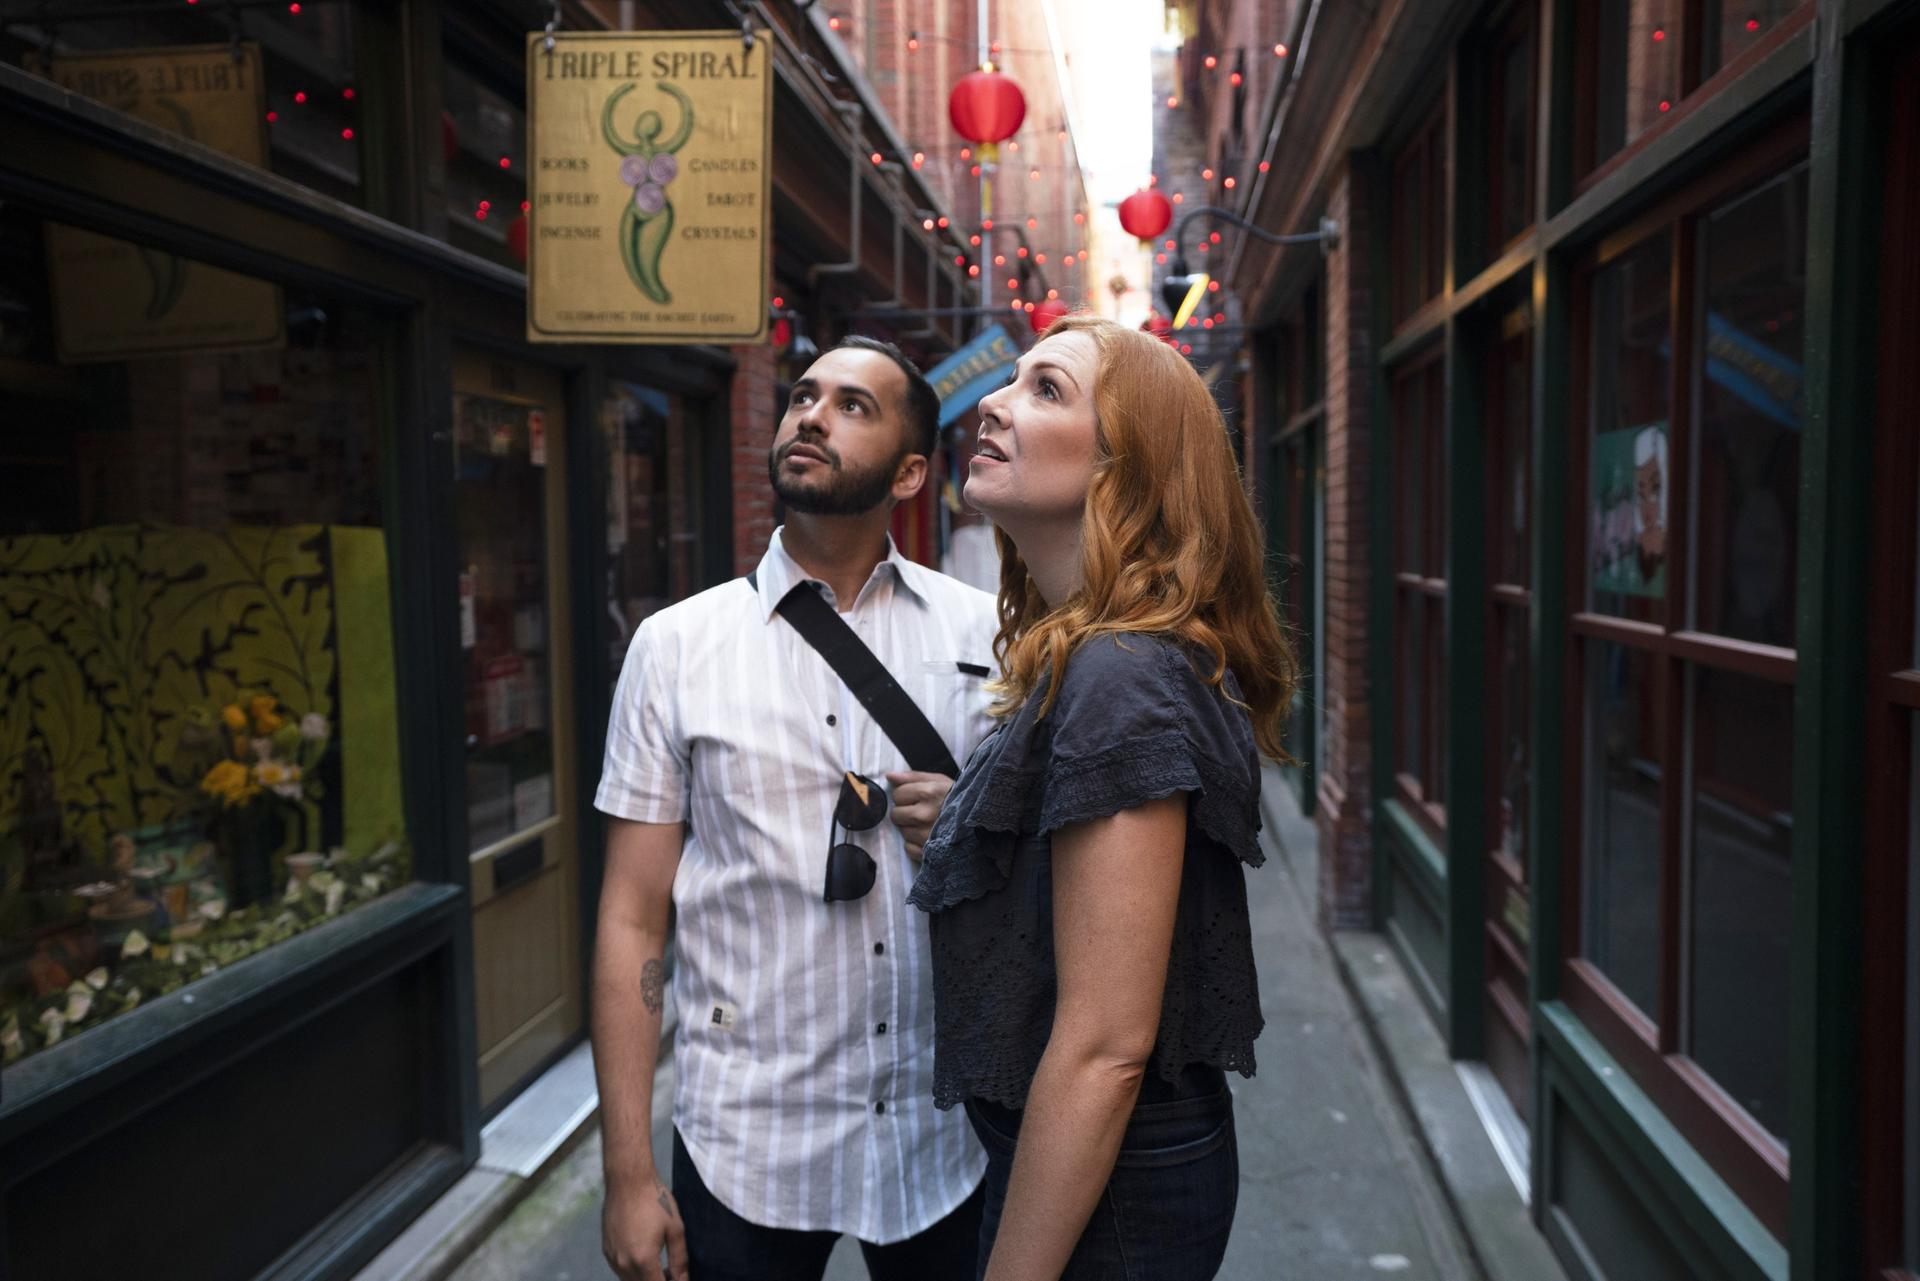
(509, 441)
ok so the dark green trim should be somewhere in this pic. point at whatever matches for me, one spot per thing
(1686, 1194)
(1467, 731)
(1417, 851)
(233, 1009)
(1830, 697)
(1552, 420)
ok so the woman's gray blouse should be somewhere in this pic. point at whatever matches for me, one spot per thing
(1134, 722)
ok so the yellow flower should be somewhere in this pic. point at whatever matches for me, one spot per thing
(230, 783)
(236, 720)
(270, 773)
(265, 718)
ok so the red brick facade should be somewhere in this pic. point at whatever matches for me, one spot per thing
(1345, 796)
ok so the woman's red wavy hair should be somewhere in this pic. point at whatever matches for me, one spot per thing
(1169, 542)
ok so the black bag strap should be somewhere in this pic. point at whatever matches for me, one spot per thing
(821, 626)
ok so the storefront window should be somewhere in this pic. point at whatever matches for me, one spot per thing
(1629, 458)
(198, 752)
(1728, 30)
(275, 86)
(1420, 586)
(484, 137)
(1510, 119)
(1420, 215)
(1748, 389)
(1740, 794)
(1634, 47)
(500, 463)
(1621, 859)
(1509, 511)
(1687, 752)
(654, 489)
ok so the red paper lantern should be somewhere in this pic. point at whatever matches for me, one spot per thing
(517, 238)
(782, 333)
(986, 107)
(1145, 213)
(1045, 313)
(1159, 326)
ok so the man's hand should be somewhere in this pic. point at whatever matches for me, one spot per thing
(637, 1223)
(917, 798)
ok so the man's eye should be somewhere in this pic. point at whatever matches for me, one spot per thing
(853, 406)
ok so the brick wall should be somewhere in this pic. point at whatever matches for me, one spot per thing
(751, 419)
(1345, 792)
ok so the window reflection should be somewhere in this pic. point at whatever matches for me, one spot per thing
(198, 754)
(1635, 47)
(1628, 462)
(1621, 854)
(1740, 905)
(275, 86)
(1748, 388)
(1729, 30)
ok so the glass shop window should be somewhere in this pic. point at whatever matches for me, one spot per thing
(483, 135)
(198, 753)
(654, 509)
(1418, 253)
(1685, 647)
(1639, 59)
(1420, 586)
(272, 85)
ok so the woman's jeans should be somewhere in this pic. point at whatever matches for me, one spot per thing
(1166, 1210)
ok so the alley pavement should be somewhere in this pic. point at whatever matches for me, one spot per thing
(1333, 1183)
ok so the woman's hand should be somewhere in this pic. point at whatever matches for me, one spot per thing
(1116, 885)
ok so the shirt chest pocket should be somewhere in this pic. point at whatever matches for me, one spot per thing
(957, 699)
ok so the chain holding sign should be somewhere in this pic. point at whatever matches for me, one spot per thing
(650, 173)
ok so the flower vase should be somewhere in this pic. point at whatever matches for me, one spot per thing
(248, 835)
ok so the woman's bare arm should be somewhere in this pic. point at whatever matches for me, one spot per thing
(1116, 882)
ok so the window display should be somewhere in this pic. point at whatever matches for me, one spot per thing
(198, 753)
(273, 85)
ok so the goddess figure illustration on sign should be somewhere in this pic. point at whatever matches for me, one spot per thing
(648, 166)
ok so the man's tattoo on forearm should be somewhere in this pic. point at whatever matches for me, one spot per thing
(652, 977)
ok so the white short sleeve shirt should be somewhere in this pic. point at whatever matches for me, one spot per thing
(804, 1052)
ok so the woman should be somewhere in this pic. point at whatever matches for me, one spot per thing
(1093, 972)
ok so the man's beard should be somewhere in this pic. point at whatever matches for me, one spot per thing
(846, 493)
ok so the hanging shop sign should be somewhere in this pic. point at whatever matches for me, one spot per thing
(649, 167)
(970, 373)
(113, 299)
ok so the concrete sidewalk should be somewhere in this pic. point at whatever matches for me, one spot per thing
(1337, 1183)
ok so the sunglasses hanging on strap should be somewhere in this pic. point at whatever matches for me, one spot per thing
(863, 802)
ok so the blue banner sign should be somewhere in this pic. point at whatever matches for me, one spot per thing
(970, 373)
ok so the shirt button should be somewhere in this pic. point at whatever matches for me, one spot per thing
(881, 1107)
(832, 719)
(879, 949)
(882, 1029)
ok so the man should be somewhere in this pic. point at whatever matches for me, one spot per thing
(803, 1057)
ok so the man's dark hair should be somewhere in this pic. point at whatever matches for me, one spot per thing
(921, 408)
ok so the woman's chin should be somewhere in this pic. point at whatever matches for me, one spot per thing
(980, 497)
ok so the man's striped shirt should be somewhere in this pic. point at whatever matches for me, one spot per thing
(804, 1053)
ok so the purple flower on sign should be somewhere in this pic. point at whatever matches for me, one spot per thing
(633, 170)
(663, 168)
(649, 199)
